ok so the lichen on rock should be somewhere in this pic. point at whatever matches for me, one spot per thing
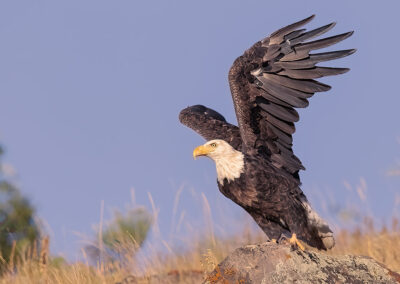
(276, 263)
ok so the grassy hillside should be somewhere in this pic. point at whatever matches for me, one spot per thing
(164, 261)
(190, 266)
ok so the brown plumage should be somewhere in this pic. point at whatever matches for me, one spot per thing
(271, 79)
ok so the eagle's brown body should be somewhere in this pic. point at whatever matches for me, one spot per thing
(278, 212)
(270, 80)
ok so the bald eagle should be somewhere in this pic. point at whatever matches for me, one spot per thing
(256, 166)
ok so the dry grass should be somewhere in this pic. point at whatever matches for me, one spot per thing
(189, 265)
(382, 245)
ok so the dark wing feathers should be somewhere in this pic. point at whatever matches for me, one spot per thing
(285, 113)
(313, 33)
(211, 125)
(307, 86)
(292, 97)
(272, 78)
(313, 73)
(293, 34)
(314, 59)
(286, 127)
(274, 100)
(280, 136)
(278, 36)
(302, 50)
(293, 90)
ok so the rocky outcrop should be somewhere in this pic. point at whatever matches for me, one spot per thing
(172, 277)
(273, 263)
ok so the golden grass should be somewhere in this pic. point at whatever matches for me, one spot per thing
(382, 245)
(189, 265)
(206, 252)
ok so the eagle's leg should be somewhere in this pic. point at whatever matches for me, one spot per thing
(292, 240)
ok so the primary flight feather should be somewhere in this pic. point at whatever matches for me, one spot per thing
(256, 166)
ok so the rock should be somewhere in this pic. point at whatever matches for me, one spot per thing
(277, 263)
(172, 277)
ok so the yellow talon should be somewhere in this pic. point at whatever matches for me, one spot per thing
(273, 240)
(294, 241)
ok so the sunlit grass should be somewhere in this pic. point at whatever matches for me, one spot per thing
(382, 244)
(190, 263)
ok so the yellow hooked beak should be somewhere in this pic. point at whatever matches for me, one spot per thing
(202, 150)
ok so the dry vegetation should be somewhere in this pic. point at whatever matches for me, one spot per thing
(188, 265)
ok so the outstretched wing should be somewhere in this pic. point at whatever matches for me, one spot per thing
(211, 125)
(271, 79)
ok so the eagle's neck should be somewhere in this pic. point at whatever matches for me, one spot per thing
(229, 166)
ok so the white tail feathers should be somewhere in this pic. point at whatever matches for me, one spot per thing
(324, 232)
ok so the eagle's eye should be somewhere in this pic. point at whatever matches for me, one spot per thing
(213, 145)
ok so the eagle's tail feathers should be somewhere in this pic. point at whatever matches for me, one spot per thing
(318, 225)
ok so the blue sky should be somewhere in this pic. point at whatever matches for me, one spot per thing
(90, 93)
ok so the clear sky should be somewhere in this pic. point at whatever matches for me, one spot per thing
(90, 93)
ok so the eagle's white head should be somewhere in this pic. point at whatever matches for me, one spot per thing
(228, 161)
